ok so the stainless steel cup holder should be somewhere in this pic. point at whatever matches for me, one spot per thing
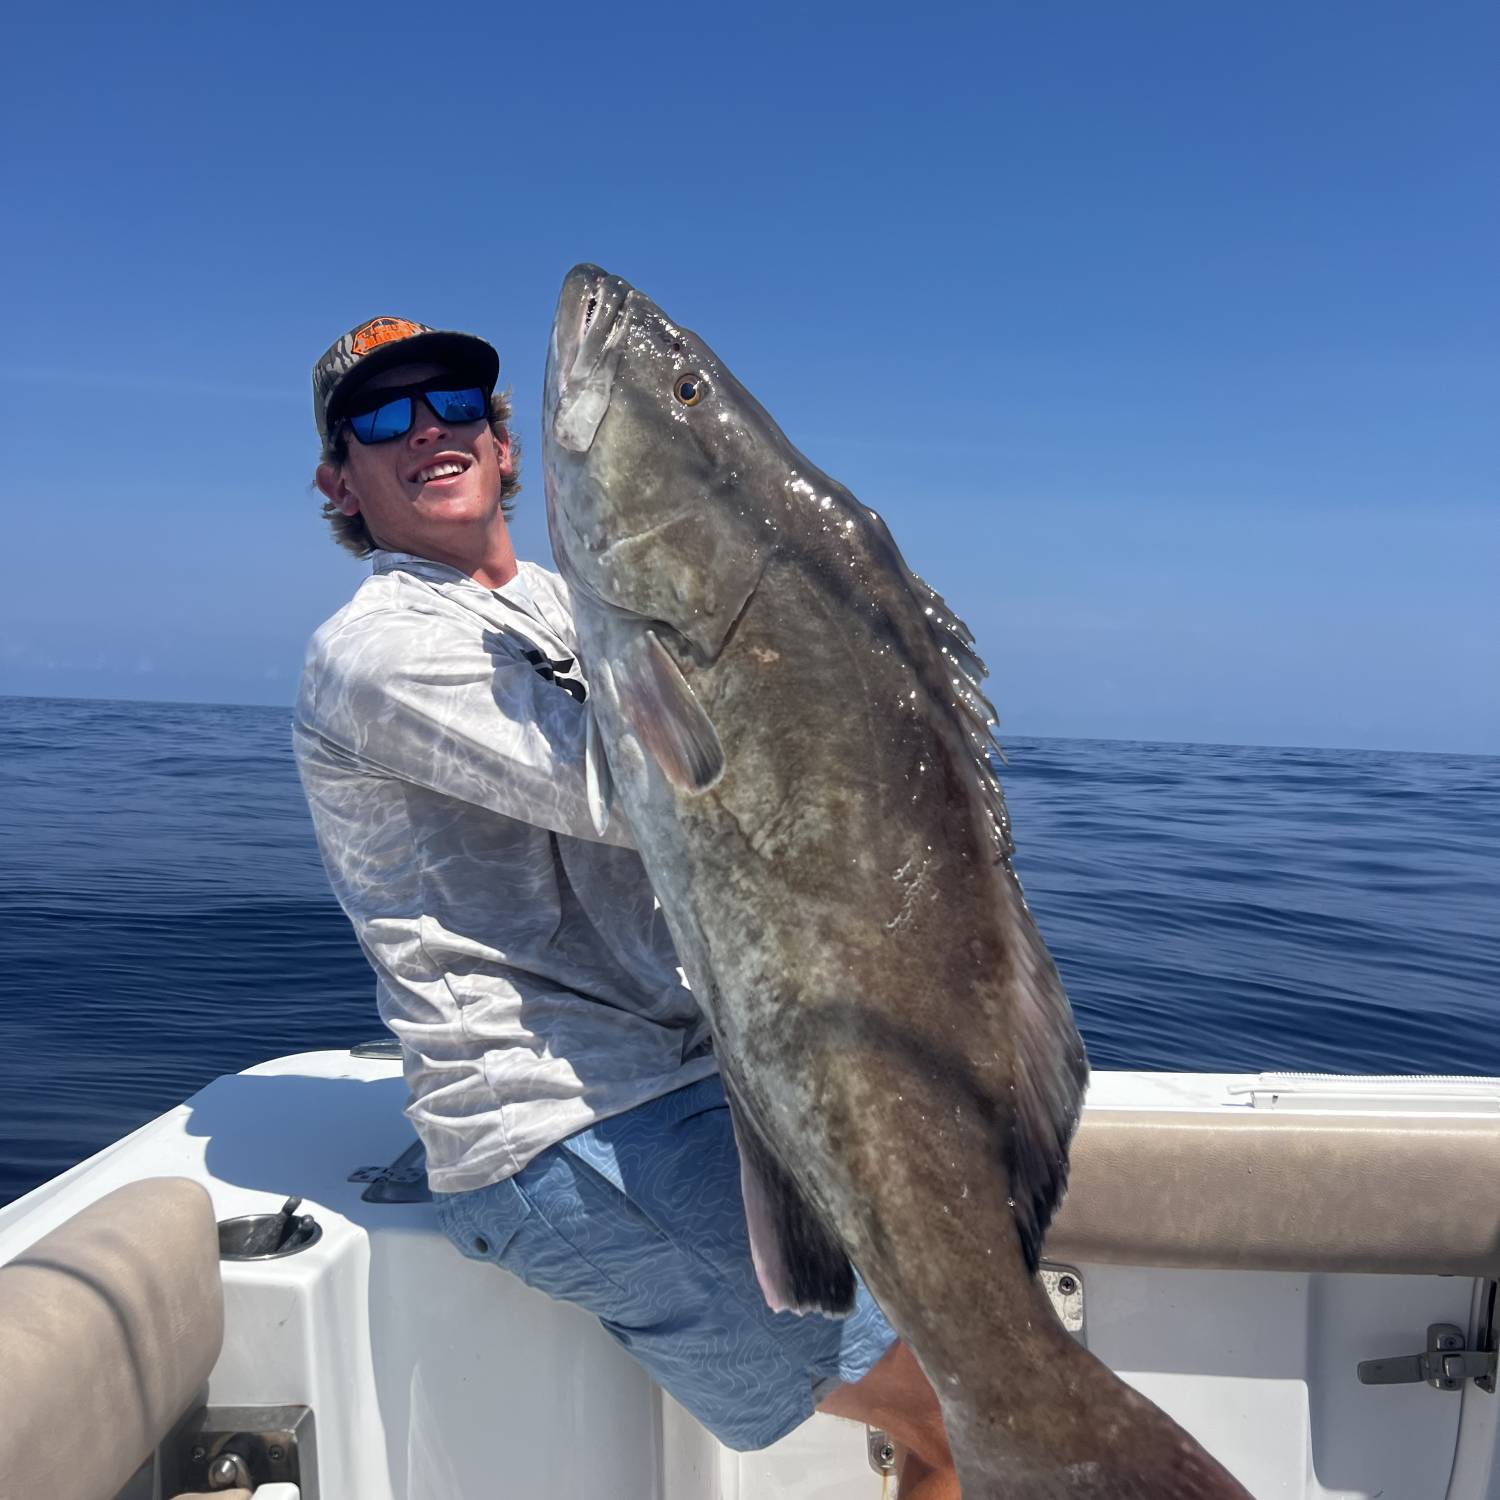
(268, 1236)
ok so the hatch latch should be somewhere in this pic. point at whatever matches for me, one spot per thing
(1445, 1366)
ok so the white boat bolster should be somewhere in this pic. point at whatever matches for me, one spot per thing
(1236, 1190)
(110, 1326)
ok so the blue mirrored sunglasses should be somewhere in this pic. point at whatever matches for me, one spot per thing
(381, 416)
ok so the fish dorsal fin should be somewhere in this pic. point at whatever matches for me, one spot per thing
(666, 715)
(1051, 1072)
(1052, 1066)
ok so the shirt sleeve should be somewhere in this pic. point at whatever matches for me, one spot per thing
(413, 695)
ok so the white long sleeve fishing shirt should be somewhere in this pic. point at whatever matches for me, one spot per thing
(520, 957)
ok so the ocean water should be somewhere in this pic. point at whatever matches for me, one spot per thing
(164, 916)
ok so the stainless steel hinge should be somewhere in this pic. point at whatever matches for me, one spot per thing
(1445, 1366)
(880, 1450)
(1064, 1288)
(217, 1447)
(404, 1181)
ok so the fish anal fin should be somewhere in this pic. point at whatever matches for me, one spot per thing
(667, 717)
(800, 1266)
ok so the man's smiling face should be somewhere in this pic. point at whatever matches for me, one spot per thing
(426, 490)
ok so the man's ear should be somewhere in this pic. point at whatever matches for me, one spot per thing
(330, 479)
(507, 463)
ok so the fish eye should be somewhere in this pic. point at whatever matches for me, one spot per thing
(688, 389)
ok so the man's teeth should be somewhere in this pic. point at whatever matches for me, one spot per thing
(439, 471)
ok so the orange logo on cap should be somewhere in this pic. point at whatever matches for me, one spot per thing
(380, 331)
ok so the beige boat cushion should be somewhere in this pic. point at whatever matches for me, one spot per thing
(1283, 1192)
(109, 1326)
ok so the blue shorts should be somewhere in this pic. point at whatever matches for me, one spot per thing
(639, 1219)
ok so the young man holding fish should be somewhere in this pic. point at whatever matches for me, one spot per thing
(561, 1075)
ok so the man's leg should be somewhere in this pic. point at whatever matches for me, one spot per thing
(895, 1396)
(639, 1220)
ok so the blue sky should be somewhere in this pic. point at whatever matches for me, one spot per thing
(1163, 335)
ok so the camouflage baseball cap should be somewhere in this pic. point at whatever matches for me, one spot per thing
(379, 344)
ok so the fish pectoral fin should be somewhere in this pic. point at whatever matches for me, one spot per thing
(800, 1266)
(599, 782)
(667, 717)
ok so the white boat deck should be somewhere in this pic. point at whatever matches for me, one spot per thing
(436, 1378)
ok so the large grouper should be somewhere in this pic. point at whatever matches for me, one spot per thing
(792, 725)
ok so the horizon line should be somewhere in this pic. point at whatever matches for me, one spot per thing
(1104, 739)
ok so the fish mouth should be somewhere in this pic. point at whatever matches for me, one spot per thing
(588, 308)
(588, 323)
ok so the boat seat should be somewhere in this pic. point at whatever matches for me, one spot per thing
(109, 1326)
(1237, 1190)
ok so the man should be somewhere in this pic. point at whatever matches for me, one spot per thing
(562, 1079)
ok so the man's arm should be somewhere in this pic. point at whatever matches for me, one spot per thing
(409, 693)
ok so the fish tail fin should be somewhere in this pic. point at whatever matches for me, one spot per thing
(801, 1267)
(1079, 1433)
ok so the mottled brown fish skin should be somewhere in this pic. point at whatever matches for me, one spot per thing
(833, 857)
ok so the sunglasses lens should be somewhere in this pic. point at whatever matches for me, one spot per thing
(384, 423)
(458, 406)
